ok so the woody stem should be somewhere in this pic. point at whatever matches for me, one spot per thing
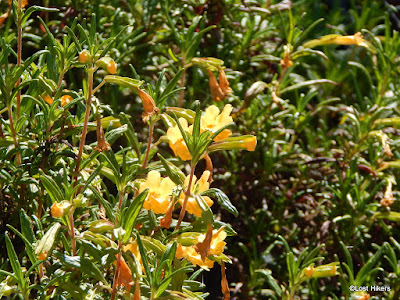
(116, 273)
(187, 195)
(85, 123)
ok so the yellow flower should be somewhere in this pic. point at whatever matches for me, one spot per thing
(212, 120)
(134, 249)
(176, 141)
(197, 187)
(195, 258)
(160, 190)
(337, 39)
(250, 143)
(216, 248)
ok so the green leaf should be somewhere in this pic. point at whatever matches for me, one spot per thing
(305, 84)
(112, 135)
(46, 243)
(369, 265)
(14, 262)
(129, 216)
(34, 8)
(206, 212)
(29, 247)
(143, 254)
(51, 187)
(168, 89)
(173, 172)
(271, 281)
(222, 199)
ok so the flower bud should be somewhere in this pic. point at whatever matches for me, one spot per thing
(80, 201)
(65, 100)
(107, 63)
(59, 210)
(325, 271)
(247, 142)
(84, 57)
(100, 226)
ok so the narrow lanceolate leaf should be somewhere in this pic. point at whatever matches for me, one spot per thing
(305, 84)
(222, 199)
(173, 172)
(45, 245)
(129, 216)
(125, 82)
(13, 258)
(271, 281)
(52, 188)
(370, 264)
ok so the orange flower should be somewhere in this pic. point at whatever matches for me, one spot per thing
(59, 210)
(149, 106)
(197, 187)
(286, 62)
(125, 275)
(65, 100)
(176, 141)
(84, 56)
(309, 271)
(102, 144)
(212, 120)
(24, 3)
(112, 67)
(56, 210)
(42, 255)
(220, 90)
(48, 99)
(160, 191)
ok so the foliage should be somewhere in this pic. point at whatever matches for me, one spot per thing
(114, 179)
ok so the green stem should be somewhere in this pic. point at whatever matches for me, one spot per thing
(19, 53)
(182, 82)
(187, 195)
(72, 232)
(60, 79)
